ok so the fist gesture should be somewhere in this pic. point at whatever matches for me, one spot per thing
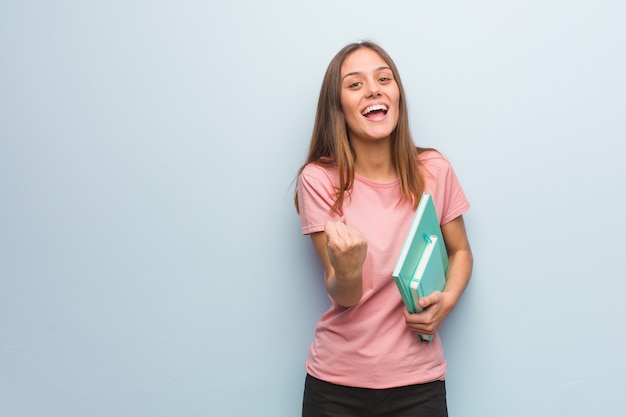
(346, 249)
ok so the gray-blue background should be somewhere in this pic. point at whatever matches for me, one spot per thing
(151, 262)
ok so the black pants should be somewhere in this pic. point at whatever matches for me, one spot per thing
(323, 399)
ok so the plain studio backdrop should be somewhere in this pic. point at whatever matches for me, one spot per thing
(151, 260)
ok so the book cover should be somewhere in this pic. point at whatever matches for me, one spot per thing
(425, 223)
(429, 275)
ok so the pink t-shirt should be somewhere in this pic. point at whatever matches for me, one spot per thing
(369, 345)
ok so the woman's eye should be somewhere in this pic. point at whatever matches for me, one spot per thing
(355, 84)
(384, 79)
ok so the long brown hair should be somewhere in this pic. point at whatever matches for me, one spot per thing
(329, 142)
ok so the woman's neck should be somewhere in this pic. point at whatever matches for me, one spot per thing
(373, 161)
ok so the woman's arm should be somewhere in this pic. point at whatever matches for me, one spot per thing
(342, 250)
(439, 304)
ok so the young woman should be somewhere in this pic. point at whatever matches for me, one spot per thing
(356, 195)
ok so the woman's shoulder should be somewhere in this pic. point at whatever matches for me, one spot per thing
(319, 170)
(433, 159)
(319, 174)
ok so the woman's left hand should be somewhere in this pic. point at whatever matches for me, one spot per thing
(436, 308)
(438, 305)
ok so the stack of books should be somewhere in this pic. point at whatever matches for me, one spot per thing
(423, 261)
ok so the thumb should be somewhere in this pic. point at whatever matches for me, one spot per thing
(424, 302)
(429, 300)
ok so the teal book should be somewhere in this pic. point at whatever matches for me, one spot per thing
(425, 225)
(429, 275)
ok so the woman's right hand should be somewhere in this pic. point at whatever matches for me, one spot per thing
(346, 250)
(342, 251)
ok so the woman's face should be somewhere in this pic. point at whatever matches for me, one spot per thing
(369, 96)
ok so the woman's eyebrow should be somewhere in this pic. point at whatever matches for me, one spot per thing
(358, 72)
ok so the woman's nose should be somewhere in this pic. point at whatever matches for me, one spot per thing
(374, 90)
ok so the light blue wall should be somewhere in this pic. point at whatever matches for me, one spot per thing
(151, 262)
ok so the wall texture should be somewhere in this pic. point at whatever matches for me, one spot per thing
(151, 262)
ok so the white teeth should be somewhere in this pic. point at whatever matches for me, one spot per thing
(374, 108)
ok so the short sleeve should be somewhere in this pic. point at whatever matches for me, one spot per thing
(316, 195)
(442, 182)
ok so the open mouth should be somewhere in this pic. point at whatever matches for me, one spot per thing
(375, 112)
